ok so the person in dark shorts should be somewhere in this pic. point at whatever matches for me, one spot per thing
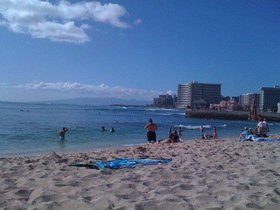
(151, 128)
(62, 133)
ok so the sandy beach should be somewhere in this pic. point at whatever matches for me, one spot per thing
(223, 174)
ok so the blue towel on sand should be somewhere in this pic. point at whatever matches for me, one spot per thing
(121, 163)
(258, 139)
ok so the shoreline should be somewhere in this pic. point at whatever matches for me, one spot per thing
(105, 148)
(203, 174)
(70, 151)
(42, 153)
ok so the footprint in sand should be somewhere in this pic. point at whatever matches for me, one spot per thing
(232, 177)
(23, 193)
(133, 195)
(186, 187)
(277, 191)
(73, 183)
(44, 198)
(164, 183)
(242, 187)
(60, 184)
(253, 206)
(235, 198)
(254, 197)
(9, 182)
(274, 200)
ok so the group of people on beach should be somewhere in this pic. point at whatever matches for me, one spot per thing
(204, 135)
(151, 127)
(174, 136)
(64, 130)
(261, 131)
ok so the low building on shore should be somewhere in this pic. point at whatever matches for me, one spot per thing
(230, 105)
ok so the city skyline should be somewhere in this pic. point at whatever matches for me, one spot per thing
(133, 50)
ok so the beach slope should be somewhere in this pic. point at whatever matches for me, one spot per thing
(223, 174)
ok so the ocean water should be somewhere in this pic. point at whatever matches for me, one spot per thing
(27, 128)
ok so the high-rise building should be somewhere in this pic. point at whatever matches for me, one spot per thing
(166, 101)
(269, 98)
(248, 100)
(183, 95)
(196, 94)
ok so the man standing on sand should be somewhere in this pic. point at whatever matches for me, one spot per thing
(151, 131)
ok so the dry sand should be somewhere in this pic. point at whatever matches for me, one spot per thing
(222, 174)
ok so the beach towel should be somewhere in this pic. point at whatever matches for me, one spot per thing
(259, 139)
(121, 163)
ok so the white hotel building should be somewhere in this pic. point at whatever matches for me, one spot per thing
(194, 93)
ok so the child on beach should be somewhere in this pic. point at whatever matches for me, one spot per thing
(206, 135)
(215, 134)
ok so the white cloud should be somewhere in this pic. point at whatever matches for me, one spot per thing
(93, 90)
(65, 21)
(170, 92)
(137, 21)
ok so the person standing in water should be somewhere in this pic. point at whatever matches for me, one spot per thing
(202, 134)
(151, 128)
(215, 134)
(62, 133)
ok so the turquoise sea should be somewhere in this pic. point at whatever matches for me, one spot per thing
(30, 128)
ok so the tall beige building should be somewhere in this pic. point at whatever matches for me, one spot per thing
(195, 94)
(248, 100)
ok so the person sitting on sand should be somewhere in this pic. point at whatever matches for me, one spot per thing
(172, 138)
(151, 128)
(62, 133)
(262, 128)
(245, 133)
(248, 135)
(204, 135)
(256, 138)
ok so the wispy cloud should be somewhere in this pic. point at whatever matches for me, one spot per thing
(94, 90)
(64, 22)
(137, 21)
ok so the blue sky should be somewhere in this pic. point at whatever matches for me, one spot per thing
(136, 49)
